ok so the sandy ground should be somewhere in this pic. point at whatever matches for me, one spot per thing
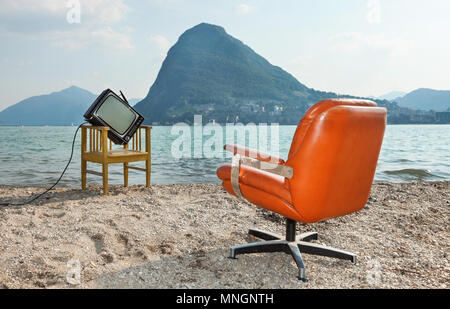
(179, 236)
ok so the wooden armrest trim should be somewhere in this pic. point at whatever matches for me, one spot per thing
(252, 153)
(277, 169)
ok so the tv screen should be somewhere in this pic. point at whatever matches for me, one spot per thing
(112, 111)
(116, 114)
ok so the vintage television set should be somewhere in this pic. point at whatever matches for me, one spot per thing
(114, 112)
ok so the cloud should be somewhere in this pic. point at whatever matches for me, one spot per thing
(70, 44)
(162, 2)
(161, 43)
(103, 11)
(373, 12)
(14, 6)
(354, 42)
(127, 29)
(112, 39)
(47, 20)
(107, 11)
(100, 38)
(243, 9)
(377, 58)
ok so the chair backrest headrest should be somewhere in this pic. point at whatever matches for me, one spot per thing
(318, 109)
(334, 155)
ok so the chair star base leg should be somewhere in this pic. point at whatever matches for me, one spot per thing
(264, 235)
(260, 247)
(316, 249)
(272, 236)
(308, 236)
(272, 246)
(273, 243)
(302, 275)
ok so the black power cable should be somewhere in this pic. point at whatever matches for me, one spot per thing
(56, 183)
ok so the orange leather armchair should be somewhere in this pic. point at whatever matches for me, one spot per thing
(328, 173)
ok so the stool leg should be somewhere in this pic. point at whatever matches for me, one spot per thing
(83, 174)
(105, 179)
(125, 174)
(148, 170)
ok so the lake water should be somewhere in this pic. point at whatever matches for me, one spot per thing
(36, 156)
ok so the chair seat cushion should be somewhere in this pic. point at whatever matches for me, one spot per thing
(265, 200)
(263, 181)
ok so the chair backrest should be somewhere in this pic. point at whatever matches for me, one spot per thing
(334, 154)
(92, 139)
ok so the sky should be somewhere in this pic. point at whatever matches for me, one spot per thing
(357, 47)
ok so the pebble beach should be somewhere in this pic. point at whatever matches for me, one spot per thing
(178, 236)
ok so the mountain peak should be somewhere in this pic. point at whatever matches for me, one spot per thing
(392, 95)
(209, 72)
(73, 88)
(63, 107)
(205, 29)
(428, 90)
(426, 99)
(207, 26)
(204, 34)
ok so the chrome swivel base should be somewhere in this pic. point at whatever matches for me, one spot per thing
(275, 243)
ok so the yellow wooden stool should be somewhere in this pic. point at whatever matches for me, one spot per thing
(101, 152)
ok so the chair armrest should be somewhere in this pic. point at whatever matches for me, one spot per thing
(237, 161)
(252, 153)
